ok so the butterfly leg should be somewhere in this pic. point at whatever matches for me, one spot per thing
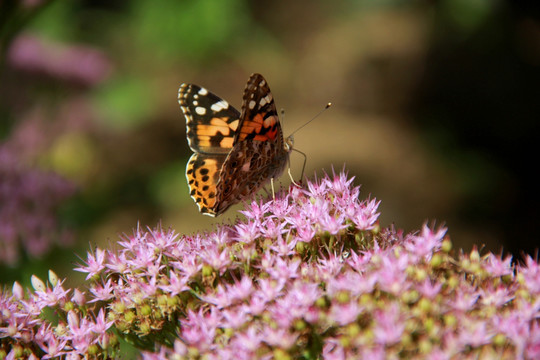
(273, 192)
(303, 168)
(292, 180)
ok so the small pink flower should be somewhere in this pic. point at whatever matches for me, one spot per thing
(199, 328)
(427, 242)
(497, 266)
(273, 229)
(255, 210)
(429, 289)
(117, 262)
(279, 337)
(463, 301)
(531, 274)
(220, 297)
(95, 264)
(495, 297)
(235, 318)
(474, 334)
(100, 328)
(366, 214)
(344, 314)
(329, 267)
(280, 207)
(389, 326)
(270, 288)
(52, 346)
(51, 297)
(103, 291)
(284, 269)
(248, 341)
(391, 276)
(218, 260)
(241, 290)
(176, 284)
(284, 247)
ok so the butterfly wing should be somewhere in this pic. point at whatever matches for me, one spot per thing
(211, 122)
(258, 153)
(259, 119)
(202, 173)
(211, 125)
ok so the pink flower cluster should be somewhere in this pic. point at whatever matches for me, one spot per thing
(307, 275)
(27, 332)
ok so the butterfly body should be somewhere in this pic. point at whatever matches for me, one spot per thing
(235, 154)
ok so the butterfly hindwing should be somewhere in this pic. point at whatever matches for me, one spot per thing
(202, 173)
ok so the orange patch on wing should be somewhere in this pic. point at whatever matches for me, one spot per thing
(219, 122)
(234, 124)
(227, 142)
(256, 125)
(216, 126)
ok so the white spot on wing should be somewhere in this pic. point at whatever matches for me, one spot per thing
(203, 91)
(200, 110)
(220, 105)
(252, 104)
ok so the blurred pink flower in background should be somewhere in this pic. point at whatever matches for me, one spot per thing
(29, 200)
(80, 64)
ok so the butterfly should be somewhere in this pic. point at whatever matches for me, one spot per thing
(234, 154)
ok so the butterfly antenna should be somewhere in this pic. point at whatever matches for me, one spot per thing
(298, 151)
(316, 116)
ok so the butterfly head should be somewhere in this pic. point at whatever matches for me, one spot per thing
(289, 143)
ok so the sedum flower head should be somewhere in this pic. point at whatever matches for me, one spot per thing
(307, 275)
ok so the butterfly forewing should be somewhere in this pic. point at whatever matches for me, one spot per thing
(258, 154)
(259, 119)
(211, 123)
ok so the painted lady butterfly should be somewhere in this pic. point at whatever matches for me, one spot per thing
(235, 154)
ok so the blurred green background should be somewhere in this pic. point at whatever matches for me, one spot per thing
(435, 107)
